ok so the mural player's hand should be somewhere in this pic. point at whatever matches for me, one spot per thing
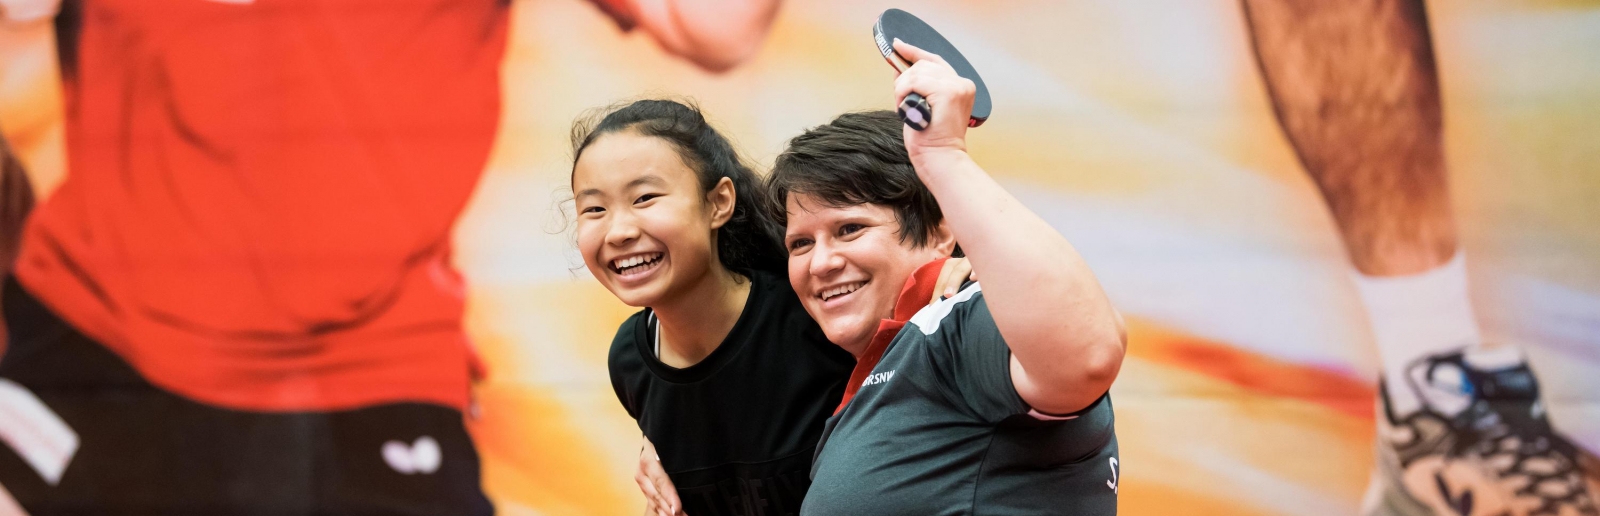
(948, 94)
(28, 11)
(954, 272)
(660, 496)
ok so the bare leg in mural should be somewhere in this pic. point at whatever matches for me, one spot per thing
(1355, 89)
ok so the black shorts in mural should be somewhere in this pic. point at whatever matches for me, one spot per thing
(85, 434)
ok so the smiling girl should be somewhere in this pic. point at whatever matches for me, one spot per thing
(722, 367)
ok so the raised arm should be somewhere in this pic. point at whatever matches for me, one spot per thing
(714, 34)
(1066, 340)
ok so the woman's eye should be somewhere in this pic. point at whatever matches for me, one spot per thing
(799, 243)
(593, 209)
(850, 228)
(645, 198)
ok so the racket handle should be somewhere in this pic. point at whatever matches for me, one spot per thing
(915, 111)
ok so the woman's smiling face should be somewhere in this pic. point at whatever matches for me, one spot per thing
(848, 264)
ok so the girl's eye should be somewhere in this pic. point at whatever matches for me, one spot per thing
(593, 209)
(799, 243)
(645, 198)
(850, 228)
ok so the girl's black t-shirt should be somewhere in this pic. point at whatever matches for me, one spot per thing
(737, 431)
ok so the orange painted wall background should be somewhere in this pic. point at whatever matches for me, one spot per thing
(1142, 131)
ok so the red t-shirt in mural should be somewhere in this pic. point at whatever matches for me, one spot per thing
(260, 194)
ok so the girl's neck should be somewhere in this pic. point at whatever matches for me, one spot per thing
(695, 322)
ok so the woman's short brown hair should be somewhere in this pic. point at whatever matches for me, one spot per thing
(858, 158)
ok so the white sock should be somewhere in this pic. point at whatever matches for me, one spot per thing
(1418, 315)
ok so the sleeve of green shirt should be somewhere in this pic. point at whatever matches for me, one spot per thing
(968, 352)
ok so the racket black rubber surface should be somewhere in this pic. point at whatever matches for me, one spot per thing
(897, 24)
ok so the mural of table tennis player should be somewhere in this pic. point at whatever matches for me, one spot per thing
(1462, 427)
(240, 300)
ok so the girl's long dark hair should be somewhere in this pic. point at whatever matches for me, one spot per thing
(750, 239)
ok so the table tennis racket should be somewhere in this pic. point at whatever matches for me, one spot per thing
(914, 109)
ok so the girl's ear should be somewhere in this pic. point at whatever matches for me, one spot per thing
(721, 199)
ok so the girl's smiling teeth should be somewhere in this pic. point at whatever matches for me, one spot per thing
(636, 264)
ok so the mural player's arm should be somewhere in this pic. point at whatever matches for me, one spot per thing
(16, 194)
(1066, 340)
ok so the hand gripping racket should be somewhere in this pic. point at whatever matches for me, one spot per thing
(914, 109)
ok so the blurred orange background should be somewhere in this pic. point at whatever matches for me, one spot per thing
(1141, 130)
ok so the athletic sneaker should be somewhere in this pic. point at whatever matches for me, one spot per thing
(1481, 445)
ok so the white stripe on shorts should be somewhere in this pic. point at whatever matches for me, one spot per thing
(36, 433)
